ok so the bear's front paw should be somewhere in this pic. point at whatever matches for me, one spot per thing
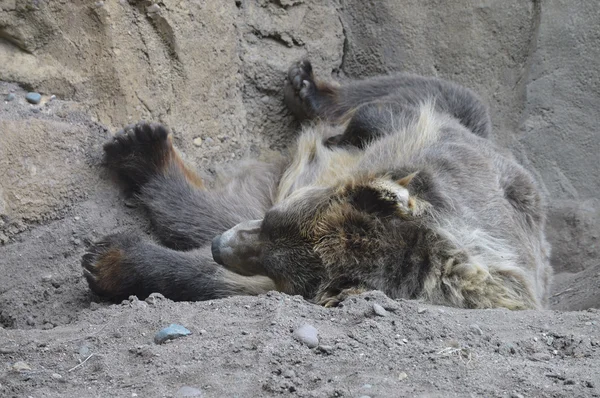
(139, 151)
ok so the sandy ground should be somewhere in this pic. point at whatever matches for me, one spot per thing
(244, 347)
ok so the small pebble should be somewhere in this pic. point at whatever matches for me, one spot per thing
(99, 4)
(421, 310)
(540, 357)
(154, 298)
(10, 97)
(33, 98)
(367, 386)
(77, 218)
(52, 97)
(308, 335)
(365, 396)
(20, 366)
(515, 395)
(326, 349)
(197, 141)
(84, 351)
(173, 331)
(153, 8)
(289, 374)
(379, 310)
(56, 376)
(188, 392)
(402, 376)
(476, 329)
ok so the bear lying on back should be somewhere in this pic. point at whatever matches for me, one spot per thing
(392, 185)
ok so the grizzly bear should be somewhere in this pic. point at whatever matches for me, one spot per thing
(392, 184)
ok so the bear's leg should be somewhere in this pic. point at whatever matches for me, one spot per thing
(184, 214)
(310, 98)
(120, 265)
(185, 217)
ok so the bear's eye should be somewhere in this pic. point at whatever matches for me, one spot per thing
(277, 225)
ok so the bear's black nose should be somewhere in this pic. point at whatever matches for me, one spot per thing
(215, 248)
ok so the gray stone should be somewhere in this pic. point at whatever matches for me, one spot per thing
(379, 310)
(20, 366)
(154, 298)
(10, 97)
(289, 374)
(173, 331)
(84, 352)
(308, 335)
(540, 357)
(186, 391)
(153, 9)
(33, 98)
(476, 329)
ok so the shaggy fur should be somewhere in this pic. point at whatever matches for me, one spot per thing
(392, 185)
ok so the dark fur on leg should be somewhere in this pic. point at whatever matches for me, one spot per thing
(308, 97)
(185, 217)
(120, 265)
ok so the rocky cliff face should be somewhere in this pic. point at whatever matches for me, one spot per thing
(213, 72)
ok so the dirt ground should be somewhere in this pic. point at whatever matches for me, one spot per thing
(213, 72)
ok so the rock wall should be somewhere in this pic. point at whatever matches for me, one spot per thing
(213, 71)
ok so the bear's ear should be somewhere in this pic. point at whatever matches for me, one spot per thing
(382, 197)
(404, 181)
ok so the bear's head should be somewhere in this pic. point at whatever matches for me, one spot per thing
(343, 232)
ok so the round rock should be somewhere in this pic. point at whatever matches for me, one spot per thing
(379, 310)
(10, 97)
(307, 334)
(33, 98)
(20, 366)
(476, 329)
